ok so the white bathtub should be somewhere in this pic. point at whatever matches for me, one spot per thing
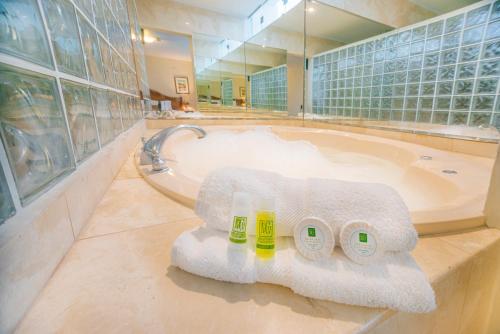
(438, 201)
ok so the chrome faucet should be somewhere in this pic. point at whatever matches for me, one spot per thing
(151, 149)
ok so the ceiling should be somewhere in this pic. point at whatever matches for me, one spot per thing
(241, 9)
(442, 6)
(330, 23)
(171, 46)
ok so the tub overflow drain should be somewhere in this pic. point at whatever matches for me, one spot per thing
(449, 171)
(425, 157)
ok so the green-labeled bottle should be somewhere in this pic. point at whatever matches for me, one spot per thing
(240, 213)
(265, 229)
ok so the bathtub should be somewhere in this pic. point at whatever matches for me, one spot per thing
(444, 191)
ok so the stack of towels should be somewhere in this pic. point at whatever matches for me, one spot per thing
(394, 281)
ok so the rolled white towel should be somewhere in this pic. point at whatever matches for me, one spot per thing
(396, 282)
(336, 202)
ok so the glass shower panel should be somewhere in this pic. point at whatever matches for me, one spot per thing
(7, 208)
(64, 35)
(81, 119)
(103, 115)
(33, 130)
(22, 33)
(92, 52)
(114, 108)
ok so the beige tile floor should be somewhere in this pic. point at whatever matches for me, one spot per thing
(117, 278)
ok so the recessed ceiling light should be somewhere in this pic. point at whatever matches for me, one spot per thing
(187, 23)
(310, 9)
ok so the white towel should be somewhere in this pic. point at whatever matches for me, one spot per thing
(336, 202)
(396, 282)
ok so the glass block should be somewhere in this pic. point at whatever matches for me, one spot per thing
(486, 85)
(443, 102)
(454, 23)
(490, 67)
(403, 51)
(429, 74)
(404, 37)
(464, 86)
(424, 116)
(440, 117)
(7, 208)
(418, 33)
(449, 57)
(391, 41)
(86, 7)
(409, 116)
(493, 30)
(426, 102)
(451, 40)
(431, 60)
(389, 66)
(411, 103)
(491, 49)
(414, 76)
(477, 16)
(447, 72)
(106, 61)
(412, 89)
(22, 33)
(461, 102)
(61, 20)
(415, 62)
(480, 119)
(81, 119)
(469, 53)
(390, 53)
(33, 130)
(445, 87)
(92, 52)
(400, 77)
(397, 103)
(114, 108)
(435, 29)
(496, 121)
(385, 115)
(417, 48)
(459, 118)
(427, 89)
(466, 70)
(473, 35)
(483, 102)
(495, 11)
(433, 44)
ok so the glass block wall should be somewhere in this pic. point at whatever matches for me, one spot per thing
(443, 71)
(269, 89)
(73, 77)
(227, 92)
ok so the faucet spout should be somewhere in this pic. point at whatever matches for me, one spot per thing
(152, 147)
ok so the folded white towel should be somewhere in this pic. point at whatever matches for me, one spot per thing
(396, 282)
(336, 202)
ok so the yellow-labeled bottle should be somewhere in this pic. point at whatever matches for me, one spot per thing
(265, 229)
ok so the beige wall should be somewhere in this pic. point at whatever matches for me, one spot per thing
(172, 16)
(161, 73)
(295, 83)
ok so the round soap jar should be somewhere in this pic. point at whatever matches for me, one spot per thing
(361, 242)
(314, 238)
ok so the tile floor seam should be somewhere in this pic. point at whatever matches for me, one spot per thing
(137, 228)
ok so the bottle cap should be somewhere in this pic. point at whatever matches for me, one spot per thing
(266, 204)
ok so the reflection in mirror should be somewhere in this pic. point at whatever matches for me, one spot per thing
(424, 78)
(170, 72)
(220, 76)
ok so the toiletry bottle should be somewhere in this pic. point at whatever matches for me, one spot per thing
(265, 228)
(240, 214)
